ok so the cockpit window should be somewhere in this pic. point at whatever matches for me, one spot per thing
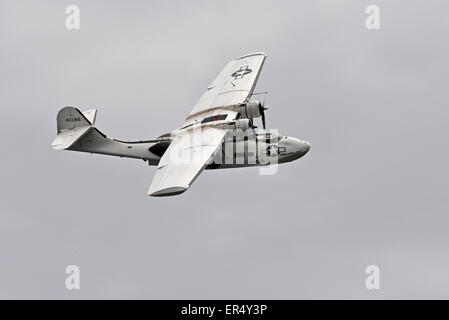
(270, 136)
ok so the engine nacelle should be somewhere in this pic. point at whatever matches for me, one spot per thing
(241, 124)
(250, 110)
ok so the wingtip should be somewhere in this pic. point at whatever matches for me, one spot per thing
(251, 54)
(172, 191)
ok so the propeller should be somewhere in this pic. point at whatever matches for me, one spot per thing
(262, 109)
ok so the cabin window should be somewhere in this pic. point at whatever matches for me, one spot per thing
(214, 118)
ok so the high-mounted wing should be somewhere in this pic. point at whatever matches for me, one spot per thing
(198, 139)
(185, 158)
(234, 85)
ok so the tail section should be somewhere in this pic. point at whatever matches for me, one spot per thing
(72, 125)
(90, 115)
(76, 132)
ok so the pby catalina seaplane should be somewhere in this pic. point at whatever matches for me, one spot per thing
(218, 133)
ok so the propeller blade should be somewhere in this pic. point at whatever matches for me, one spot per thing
(262, 109)
(251, 123)
(263, 118)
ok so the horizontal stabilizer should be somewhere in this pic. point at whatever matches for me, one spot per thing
(67, 138)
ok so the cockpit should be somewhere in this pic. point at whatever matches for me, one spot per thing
(272, 136)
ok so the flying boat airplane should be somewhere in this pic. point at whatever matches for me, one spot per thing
(218, 133)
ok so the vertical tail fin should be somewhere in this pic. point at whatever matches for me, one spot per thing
(69, 118)
(72, 124)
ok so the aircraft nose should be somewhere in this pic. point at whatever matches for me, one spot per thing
(295, 148)
(303, 146)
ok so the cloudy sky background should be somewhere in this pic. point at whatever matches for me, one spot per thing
(373, 189)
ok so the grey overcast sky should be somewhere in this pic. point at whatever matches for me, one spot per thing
(373, 189)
